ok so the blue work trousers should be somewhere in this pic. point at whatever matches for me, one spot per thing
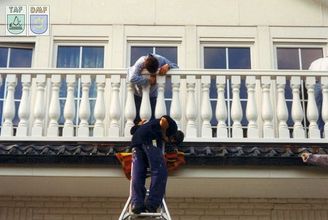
(143, 157)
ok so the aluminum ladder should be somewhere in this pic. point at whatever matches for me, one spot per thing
(127, 214)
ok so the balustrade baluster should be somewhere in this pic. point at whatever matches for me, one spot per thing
(9, 106)
(191, 110)
(221, 108)
(160, 109)
(84, 111)
(54, 108)
(24, 107)
(206, 109)
(145, 108)
(236, 110)
(267, 111)
(312, 110)
(130, 109)
(175, 111)
(69, 109)
(251, 108)
(115, 109)
(100, 108)
(297, 111)
(39, 109)
(324, 111)
(282, 111)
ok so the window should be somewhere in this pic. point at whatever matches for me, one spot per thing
(14, 56)
(169, 52)
(227, 58)
(296, 58)
(79, 57)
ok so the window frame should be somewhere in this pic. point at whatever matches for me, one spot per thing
(22, 45)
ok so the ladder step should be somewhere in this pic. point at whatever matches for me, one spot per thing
(147, 214)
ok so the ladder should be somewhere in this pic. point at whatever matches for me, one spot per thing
(127, 214)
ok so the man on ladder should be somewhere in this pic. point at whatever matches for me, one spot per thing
(147, 141)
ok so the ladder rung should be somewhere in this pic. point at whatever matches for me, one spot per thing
(144, 214)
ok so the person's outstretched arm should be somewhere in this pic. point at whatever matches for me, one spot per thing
(315, 159)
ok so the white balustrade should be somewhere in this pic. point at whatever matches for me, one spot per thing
(24, 107)
(175, 111)
(312, 110)
(191, 107)
(251, 108)
(9, 106)
(39, 106)
(267, 112)
(297, 111)
(145, 108)
(130, 109)
(100, 107)
(160, 108)
(236, 109)
(115, 107)
(69, 108)
(324, 111)
(221, 108)
(206, 109)
(54, 108)
(282, 111)
(84, 111)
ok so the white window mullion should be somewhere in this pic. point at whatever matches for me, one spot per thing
(8, 57)
(80, 60)
(227, 58)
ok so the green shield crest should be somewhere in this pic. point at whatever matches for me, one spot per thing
(16, 23)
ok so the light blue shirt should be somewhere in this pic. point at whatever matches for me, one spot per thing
(134, 74)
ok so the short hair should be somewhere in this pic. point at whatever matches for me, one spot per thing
(172, 129)
(151, 64)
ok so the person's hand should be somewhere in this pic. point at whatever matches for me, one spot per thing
(152, 79)
(164, 69)
(305, 156)
(142, 122)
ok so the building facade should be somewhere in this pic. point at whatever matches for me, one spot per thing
(243, 95)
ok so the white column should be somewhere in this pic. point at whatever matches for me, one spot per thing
(145, 108)
(221, 108)
(324, 112)
(175, 111)
(100, 108)
(251, 108)
(160, 108)
(206, 109)
(130, 109)
(9, 106)
(312, 110)
(282, 111)
(39, 106)
(54, 108)
(236, 110)
(267, 111)
(115, 107)
(69, 109)
(191, 109)
(84, 111)
(24, 107)
(297, 111)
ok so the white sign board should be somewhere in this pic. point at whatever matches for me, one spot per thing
(16, 20)
(38, 20)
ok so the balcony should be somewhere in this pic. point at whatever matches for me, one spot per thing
(252, 118)
(210, 106)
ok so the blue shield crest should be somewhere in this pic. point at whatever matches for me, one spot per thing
(39, 23)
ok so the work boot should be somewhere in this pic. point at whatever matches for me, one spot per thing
(138, 208)
(151, 208)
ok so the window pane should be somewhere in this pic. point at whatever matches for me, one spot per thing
(93, 57)
(68, 57)
(137, 52)
(214, 58)
(3, 56)
(239, 58)
(20, 57)
(288, 58)
(309, 55)
(171, 53)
